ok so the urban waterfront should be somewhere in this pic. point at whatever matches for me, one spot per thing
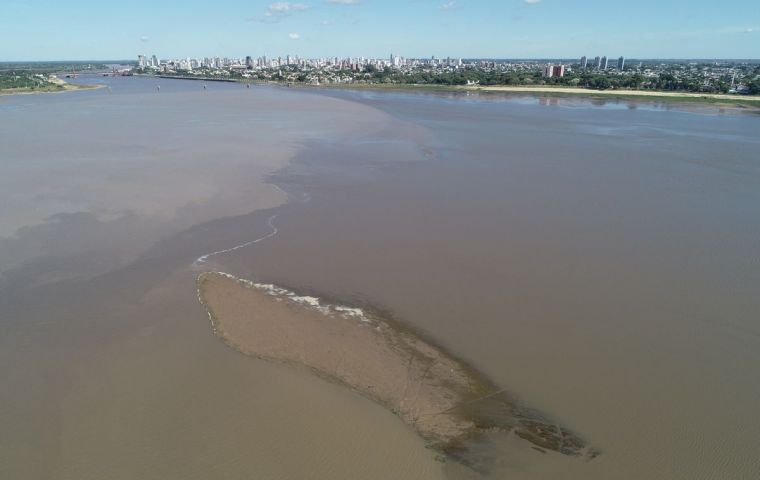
(739, 77)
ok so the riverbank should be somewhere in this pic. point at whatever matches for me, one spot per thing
(720, 100)
(445, 400)
(732, 101)
(735, 100)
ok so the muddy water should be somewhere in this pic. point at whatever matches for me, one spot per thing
(598, 260)
(108, 368)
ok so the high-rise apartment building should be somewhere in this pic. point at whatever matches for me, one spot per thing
(554, 71)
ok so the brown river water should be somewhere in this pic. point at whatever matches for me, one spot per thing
(599, 260)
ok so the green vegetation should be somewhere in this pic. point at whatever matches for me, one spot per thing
(693, 77)
(695, 80)
(33, 77)
(754, 87)
(26, 81)
(52, 67)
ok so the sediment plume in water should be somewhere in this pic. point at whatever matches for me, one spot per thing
(447, 402)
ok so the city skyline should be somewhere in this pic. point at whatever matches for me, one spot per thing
(33, 30)
(720, 76)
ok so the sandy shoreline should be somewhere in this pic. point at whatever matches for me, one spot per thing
(67, 87)
(447, 402)
(741, 102)
(625, 93)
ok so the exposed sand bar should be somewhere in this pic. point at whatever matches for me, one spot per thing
(618, 93)
(444, 400)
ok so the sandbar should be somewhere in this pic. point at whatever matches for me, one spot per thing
(445, 400)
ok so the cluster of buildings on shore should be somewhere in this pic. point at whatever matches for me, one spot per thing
(264, 62)
(731, 76)
(247, 64)
(600, 64)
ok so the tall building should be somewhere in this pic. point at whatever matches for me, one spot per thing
(621, 63)
(249, 62)
(604, 63)
(597, 62)
(554, 71)
(154, 61)
(584, 62)
(141, 61)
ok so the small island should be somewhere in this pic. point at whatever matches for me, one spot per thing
(445, 400)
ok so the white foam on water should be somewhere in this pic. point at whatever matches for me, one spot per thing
(278, 292)
(312, 301)
(203, 258)
(349, 311)
(308, 301)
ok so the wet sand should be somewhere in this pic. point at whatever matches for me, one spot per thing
(446, 401)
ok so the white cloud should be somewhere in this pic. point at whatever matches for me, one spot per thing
(344, 2)
(279, 10)
(738, 30)
(532, 2)
(286, 7)
(451, 5)
(144, 38)
(294, 36)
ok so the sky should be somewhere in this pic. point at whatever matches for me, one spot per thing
(107, 29)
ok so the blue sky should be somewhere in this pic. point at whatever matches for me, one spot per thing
(106, 29)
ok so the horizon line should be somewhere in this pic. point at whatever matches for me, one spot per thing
(95, 60)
